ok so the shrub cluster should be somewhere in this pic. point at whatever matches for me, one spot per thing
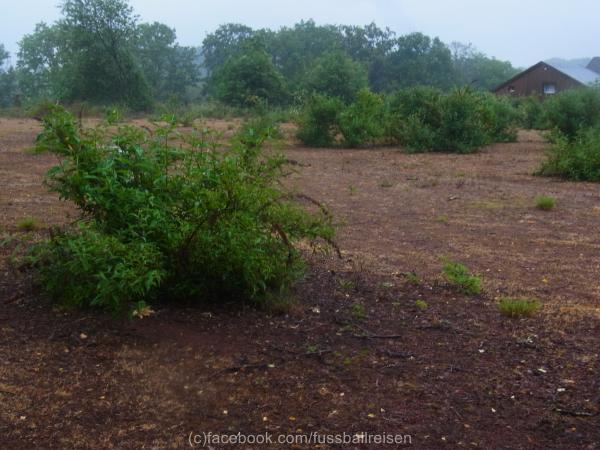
(170, 216)
(574, 118)
(572, 111)
(420, 119)
(577, 159)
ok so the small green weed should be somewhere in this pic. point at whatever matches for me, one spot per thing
(460, 276)
(346, 285)
(412, 278)
(358, 311)
(421, 304)
(545, 203)
(28, 224)
(518, 307)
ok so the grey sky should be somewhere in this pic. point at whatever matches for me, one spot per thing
(521, 31)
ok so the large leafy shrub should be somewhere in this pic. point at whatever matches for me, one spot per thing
(318, 124)
(362, 122)
(571, 111)
(425, 119)
(577, 159)
(170, 216)
(530, 113)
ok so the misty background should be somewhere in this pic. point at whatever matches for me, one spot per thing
(520, 32)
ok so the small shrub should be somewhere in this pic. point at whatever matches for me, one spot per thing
(28, 224)
(577, 160)
(530, 113)
(318, 124)
(518, 307)
(460, 276)
(545, 203)
(574, 110)
(421, 304)
(358, 312)
(180, 222)
(499, 117)
(361, 123)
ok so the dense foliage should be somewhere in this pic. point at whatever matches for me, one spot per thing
(249, 79)
(572, 111)
(420, 119)
(99, 53)
(576, 159)
(310, 57)
(8, 80)
(170, 216)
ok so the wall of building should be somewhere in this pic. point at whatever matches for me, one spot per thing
(532, 81)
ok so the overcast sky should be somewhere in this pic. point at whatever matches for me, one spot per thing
(521, 31)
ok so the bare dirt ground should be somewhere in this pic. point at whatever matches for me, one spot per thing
(356, 355)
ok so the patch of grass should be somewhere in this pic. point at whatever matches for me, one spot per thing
(358, 312)
(28, 224)
(545, 203)
(442, 219)
(518, 307)
(346, 285)
(460, 276)
(412, 278)
(421, 304)
(386, 184)
(353, 190)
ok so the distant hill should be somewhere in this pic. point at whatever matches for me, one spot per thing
(568, 63)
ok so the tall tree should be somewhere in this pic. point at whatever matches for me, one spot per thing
(100, 33)
(478, 70)
(42, 63)
(227, 41)
(8, 79)
(249, 79)
(169, 68)
(337, 75)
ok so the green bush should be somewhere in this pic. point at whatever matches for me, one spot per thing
(362, 122)
(500, 118)
(574, 110)
(170, 216)
(577, 159)
(413, 118)
(318, 124)
(425, 119)
(530, 113)
(460, 276)
(462, 127)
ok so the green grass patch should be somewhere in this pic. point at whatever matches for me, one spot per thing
(518, 307)
(545, 203)
(28, 224)
(460, 276)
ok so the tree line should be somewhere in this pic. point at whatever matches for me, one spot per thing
(100, 52)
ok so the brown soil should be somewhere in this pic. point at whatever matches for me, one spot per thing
(356, 354)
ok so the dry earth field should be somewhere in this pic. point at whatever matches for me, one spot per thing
(356, 354)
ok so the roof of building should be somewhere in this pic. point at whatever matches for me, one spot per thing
(581, 74)
(594, 64)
